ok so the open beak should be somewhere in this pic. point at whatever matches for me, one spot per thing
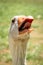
(24, 24)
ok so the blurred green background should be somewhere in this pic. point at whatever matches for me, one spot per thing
(10, 8)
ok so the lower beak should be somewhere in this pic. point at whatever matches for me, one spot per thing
(30, 30)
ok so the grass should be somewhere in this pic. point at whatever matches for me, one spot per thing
(8, 9)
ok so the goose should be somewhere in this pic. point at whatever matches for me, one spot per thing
(19, 35)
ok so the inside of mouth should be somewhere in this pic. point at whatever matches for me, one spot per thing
(22, 26)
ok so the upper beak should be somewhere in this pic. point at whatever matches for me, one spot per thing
(20, 20)
(30, 19)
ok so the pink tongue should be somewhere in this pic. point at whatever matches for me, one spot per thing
(27, 25)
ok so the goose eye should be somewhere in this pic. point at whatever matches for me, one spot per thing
(13, 20)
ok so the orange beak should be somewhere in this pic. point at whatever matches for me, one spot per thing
(21, 19)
